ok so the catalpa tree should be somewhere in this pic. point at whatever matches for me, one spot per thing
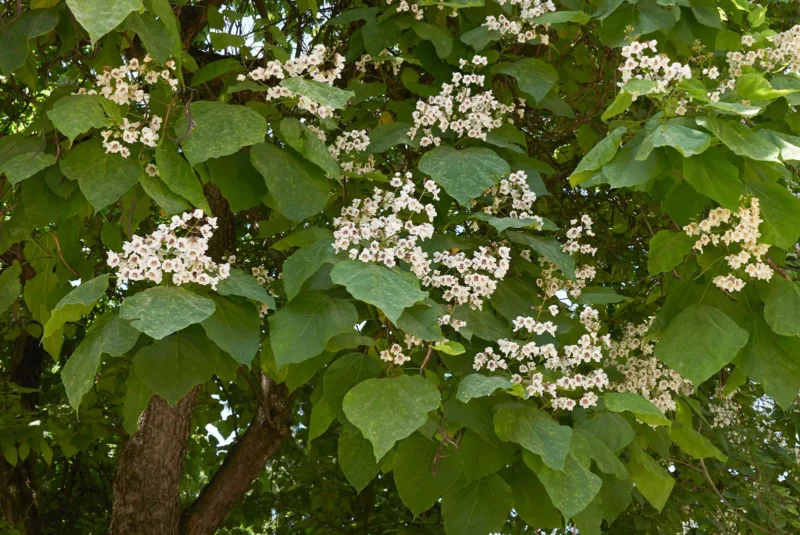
(399, 266)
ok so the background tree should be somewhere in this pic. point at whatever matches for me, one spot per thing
(427, 266)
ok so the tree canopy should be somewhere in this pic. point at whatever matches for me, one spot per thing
(399, 266)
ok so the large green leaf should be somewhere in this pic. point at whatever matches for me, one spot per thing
(346, 372)
(782, 309)
(77, 114)
(109, 334)
(235, 326)
(484, 455)
(650, 478)
(464, 174)
(531, 500)
(304, 141)
(687, 141)
(667, 250)
(10, 288)
(18, 30)
(162, 310)
(780, 210)
(598, 156)
(693, 443)
(102, 177)
(535, 431)
(699, 341)
(740, 139)
(75, 304)
(423, 470)
(611, 428)
(590, 446)
(642, 408)
(99, 17)
(245, 285)
(437, 35)
(159, 41)
(476, 507)
(477, 385)
(324, 94)
(533, 76)
(172, 366)
(714, 176)
(304, 263)
(299, 187)
(385, 136)
(390, 409)
(137, 396)
(301, 329)
(238, 180)
(26, 165)
(626, 171)
(356, 458)
(772, 360)
(219, 129)
(421, 321)
(179, 176)
(391, 290)
(549, 248)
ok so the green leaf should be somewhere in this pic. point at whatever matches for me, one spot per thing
(238, 180)
(772, 360)
(621, 104)
(321, 93)
(356, 458)
(505, 223)
(385, 136)
(714, 176)
(77, 114)
(591, 447)
(477, 385)
(137, 396)
(321, 419)
(480, 37)
(102, 177)
(158, 40)
(301, 329)
(642, 408)
(667, 250)
(303, 263)
(752, 86)
(109, 334)
(179, 176)
(171, 367)
(531, 500)
(218, 130)
(168, 201)
(163, 310)
(10, 288)
(346, 372)
(624, 170)
(421, 321)
(390, 409)
(570, 489)
(694, 444)
(245, 285)
(464, 174)
(18, 30)
(740, 139)
(533, 76)
(699, 341)
(235, 326)
(549, 248)
(535, 431)
(780, 211)
(75, 304)
(687, 141)
(601, 154)
(391, 290)
(611, 428)
(304, 141)
(599, 295)
(423, 471)
(560, 17)
(482, 323)
(782, 309)
(299, 187)
(215, 69)
(476, 507)
(650, 478)
(439, 36)
(99, 17)
(222, 40)
(450, 348)
(26, 165)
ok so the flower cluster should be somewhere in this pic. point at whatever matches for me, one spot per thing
(644, 373)
(456, 109)
(657, 68)
(513, 198)
(725, 410)
(178, 248)
(319, 65)
(523, 26)
(132, 132)
(124, 84)
(346, 150)
(543, 369)
(395, 62)
(738, 231)
(395, 355)
(469, 280)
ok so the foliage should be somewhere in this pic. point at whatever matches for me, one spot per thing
(462, 266)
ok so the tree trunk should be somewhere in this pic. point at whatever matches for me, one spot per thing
(150, 469)
(243, 463)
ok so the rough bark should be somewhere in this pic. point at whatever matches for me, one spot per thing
(243, 463)
(150, 468)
